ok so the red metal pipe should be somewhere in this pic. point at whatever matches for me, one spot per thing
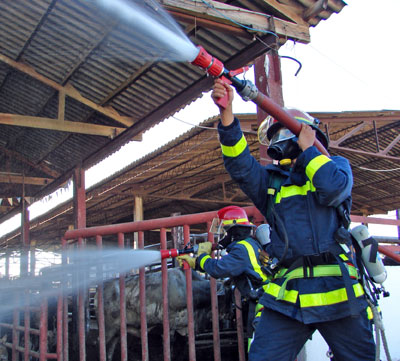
(142, 297)
(27, 325)
(65, 303)
(214, 307)
(164, 278)
(15, 333)
(43, 330)
(81, 315)
(59, 327)
(388, 253)
(122, 303)
(362, 219)
(100, 308)
(189, 300)
(150, 224)
(239, 325)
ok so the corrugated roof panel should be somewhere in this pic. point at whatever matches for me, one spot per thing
(109, 70)
(21, 94)
(18, 20)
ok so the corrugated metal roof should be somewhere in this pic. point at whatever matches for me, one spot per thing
(49, 48)
(187, 175)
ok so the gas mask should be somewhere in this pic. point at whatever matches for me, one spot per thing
(234, 234)
(283, 145)
(281, 142)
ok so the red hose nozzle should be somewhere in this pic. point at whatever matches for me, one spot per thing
(212, 65)
(173, 252)
(169, 253)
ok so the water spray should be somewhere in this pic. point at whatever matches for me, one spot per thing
(149, 18)
(248, 91)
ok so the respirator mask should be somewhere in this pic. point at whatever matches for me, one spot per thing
(283, 145)
(281, 142)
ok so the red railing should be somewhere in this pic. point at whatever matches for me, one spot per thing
(78, 236)
(161, 224)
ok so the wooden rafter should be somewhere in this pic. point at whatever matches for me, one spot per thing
(59, 125)
(379, 155)
(69, 90)
(41, 167)
(286, 11)
(236, 16)
(20, 179)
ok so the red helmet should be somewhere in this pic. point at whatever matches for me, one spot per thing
(270, 127)
(228, 217)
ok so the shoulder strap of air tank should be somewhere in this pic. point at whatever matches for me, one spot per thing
(275, 181)
(336, 251)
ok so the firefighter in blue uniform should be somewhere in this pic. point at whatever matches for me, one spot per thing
(241, 263)
(315, 284)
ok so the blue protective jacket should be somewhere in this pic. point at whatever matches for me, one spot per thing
(241, 264)
(306, 203)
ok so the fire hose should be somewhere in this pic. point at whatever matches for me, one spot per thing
(248, 91)
(174, 252)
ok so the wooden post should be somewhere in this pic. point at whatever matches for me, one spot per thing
(268, 79)
(137, 216)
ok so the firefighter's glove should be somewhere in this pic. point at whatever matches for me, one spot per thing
(263, 257)
(190, 260)
(204, 247)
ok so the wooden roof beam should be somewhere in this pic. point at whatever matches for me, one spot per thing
(20, 179)
(353, 117)
(233, 15)
(286, 11)
(41, 167)
(68, 89)
(381, 155)
(59, 125)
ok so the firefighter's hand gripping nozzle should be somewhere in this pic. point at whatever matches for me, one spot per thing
(174, 252)
(246, 89)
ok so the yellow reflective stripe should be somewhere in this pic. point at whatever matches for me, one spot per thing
(203, 260)
(253, 260)
(304, 120)
(370, 315)
(259, 308)
(332, 270)
(233, 221)
(235, 150)
(293, 190)
(273, 290)
(316, 164)
(329, 298)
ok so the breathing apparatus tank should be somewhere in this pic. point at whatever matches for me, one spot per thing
(263, 233)
(369, 254)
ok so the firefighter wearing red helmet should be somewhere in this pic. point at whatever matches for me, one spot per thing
(235, 233)
(315, 284)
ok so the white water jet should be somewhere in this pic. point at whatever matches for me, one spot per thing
(164, 30)
(84, 268)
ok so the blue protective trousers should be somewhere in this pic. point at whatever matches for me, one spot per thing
(279, 337)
